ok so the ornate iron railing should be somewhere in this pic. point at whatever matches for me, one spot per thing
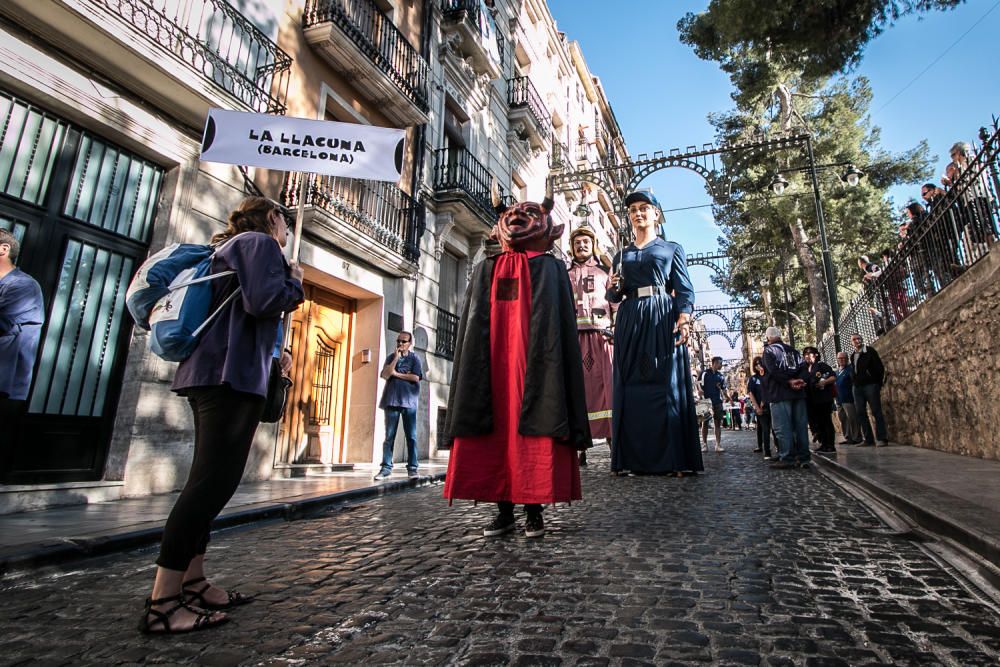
(447, 333)
(215, 39)
(378, 209)
(960, 228)
(470, 12)
(559, 157)
(457, 169)
(521, 94)
(381, 41)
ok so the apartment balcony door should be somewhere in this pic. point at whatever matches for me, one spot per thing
(313, 429)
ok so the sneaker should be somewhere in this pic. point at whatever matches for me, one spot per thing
(382, 474)
(882, 443)
(782, 465)
(704, 448)
(826, 450)
(412, 474)
(534, 526)
(719, 449)
(757, 450)
(804, 465)
(503, 523)
(768, 458)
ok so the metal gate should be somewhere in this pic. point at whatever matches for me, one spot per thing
(83, 210)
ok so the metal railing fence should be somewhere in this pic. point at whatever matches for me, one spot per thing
(379, 39)
(215, 39)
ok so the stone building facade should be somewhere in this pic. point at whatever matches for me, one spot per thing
(104, 103)
(942, 386)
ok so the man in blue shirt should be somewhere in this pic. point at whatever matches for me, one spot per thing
(846, 412)
(713, 384)
(402, 372)
(21, 316)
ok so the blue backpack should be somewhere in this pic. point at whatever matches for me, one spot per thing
(171, 297)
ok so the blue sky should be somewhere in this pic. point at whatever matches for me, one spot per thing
(662, 93)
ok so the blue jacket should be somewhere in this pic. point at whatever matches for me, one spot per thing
(237, 347)
(22, 314)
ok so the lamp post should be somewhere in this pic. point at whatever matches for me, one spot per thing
(852, 176)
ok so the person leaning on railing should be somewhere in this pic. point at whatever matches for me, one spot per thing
(973, 201)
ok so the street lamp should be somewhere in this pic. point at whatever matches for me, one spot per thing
(778, 184)
(582, 210)
(852, 176)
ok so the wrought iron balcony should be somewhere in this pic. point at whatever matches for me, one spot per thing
(215, 39)
(477, 34)
(447, 334)
(559, 157)
(526, 104)
(353, 213)
(356, 37)
(458, 176)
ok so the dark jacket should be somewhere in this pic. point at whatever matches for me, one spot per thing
(868, 368)
(782, 363)
(21, 316)
(237, 347)
(813, 374)
(554, 404)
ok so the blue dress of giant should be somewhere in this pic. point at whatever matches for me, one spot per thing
(654, 425)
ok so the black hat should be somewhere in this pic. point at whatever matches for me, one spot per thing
(642, 195)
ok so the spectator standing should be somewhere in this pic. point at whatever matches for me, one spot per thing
(785, 392)
(225, 381)
(944, 248)
(755, 385)
(820, 380)
(22, 314)
(713, 387)
(974, 203)
(869, 376)
(845, 401)
(402, 372)
(736, 411)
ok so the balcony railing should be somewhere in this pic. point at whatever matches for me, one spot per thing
(959, 230)
(381, 41)
(470, 12)
(521, 93)
(457, 169)
(447, 334)
(559, 157)
(214, 38)
(379, 210)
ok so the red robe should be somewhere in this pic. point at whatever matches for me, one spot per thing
(504, 464)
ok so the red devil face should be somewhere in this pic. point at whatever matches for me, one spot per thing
(527, 227)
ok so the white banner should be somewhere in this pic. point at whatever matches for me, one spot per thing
(299, 144)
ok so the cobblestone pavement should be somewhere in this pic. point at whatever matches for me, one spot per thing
(742, 565)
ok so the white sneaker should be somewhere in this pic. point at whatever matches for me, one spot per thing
(382, 474)
(719, 449)
(704, 448)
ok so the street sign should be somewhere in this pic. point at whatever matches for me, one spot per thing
(298, 144)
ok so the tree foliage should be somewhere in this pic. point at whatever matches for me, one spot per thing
(815, 37)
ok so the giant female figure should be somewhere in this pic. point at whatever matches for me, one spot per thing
(654, 425)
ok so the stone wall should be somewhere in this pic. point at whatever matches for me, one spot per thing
(943, 386)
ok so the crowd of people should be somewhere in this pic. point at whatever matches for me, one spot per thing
(939, 237)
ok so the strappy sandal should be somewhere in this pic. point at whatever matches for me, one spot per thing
(203, 619)
(197, 598)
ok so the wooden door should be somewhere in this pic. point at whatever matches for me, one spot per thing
(313, 429)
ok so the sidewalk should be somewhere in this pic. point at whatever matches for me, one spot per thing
(953, 496)
(41, 537)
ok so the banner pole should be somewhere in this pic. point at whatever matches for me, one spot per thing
(296, 244)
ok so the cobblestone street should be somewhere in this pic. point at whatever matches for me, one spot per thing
(742, 565)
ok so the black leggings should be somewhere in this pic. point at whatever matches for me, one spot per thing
(225, 421)
(764, 433)
(507, 508)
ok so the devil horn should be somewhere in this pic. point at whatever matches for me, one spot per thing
(549, 202)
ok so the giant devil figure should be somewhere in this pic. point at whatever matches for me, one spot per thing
(516, 408)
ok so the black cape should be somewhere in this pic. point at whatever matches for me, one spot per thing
(554, 403)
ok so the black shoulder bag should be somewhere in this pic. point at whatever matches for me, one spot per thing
(277, 394)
